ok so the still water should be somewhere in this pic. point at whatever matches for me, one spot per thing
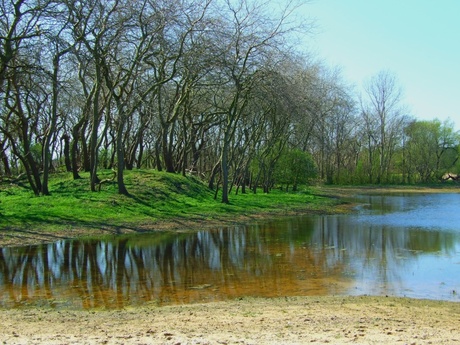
(399, 245)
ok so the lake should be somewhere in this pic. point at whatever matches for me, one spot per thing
(396, 245)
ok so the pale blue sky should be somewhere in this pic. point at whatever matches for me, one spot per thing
(417, 40)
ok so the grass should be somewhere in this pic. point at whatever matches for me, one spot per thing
(154, 197)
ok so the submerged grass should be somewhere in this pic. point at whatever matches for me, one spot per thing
(154, 197)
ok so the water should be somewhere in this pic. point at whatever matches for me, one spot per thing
(398, 245)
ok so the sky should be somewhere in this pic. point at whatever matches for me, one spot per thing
(416, 40)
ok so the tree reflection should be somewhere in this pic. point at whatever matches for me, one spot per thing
(294, 256)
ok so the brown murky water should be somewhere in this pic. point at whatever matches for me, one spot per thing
(395, 245)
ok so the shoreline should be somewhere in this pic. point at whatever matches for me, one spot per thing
(22, 237)
(35, 236)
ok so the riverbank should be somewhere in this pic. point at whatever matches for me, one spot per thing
(296, 320)
(37, 234)
(157, 201)
(160, 202)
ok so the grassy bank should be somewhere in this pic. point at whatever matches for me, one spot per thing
(157, 200)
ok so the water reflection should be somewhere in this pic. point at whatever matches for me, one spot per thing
(426, 211)
(368, 253)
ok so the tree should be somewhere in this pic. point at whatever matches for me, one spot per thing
(180, 61)
(58, 48)
(332, 134)
(91, 23)
(294, 168)
(272, 107)
(250, 35)
(19, 24)
(432, 149)
(23, 85)
(383, 116)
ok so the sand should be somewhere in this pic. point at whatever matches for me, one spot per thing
(292, 320)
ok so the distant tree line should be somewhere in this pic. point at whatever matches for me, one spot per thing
(214, 88)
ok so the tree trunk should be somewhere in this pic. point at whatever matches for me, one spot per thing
(214, 172)
(67, 160)
(141, 153)
(85, 160)
(74, 152)
(225, 162)
(93, 150)
(52, 127)
(6, 163)
(167, 152)
(121, 160)
(158, 156)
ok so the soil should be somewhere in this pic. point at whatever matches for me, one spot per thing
(292, 320)
(296, 320)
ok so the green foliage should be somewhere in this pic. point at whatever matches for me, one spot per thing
(36, 150)
(294, 168)
(432, 149)
(154, 196)
(104, 158)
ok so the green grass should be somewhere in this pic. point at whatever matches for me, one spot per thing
(154, 196)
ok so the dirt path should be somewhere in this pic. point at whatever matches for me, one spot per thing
(298, 320)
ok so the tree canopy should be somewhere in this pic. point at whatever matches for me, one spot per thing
(212, 88)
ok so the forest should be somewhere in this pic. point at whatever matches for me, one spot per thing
(224, 90)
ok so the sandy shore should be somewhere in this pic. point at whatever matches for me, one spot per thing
(296, 320)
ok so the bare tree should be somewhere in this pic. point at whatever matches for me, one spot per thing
(249, 37)
(122, 72)
(23, 86)
(57, 28)
(383, 113)
(334, 129)
(91, 25)
(19, 24)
